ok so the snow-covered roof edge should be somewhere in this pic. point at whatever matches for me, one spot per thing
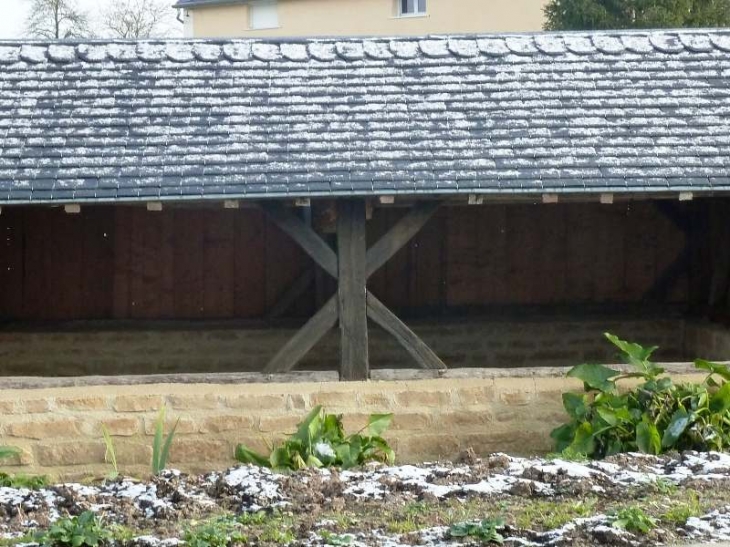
(354, 49)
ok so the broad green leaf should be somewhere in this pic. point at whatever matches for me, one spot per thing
(313, 461)
(714, 368)
(303, 432)
(246, 455)
(378, 424)
(583, 442)
(563, 436)
(720, 401)
(677, 425)
(647, 438)
(575, 405)
(608, 415)
(594, 376)
(635, 354)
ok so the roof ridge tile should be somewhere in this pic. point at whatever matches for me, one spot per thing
(380, 48)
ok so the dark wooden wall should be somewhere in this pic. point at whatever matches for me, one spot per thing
(128, 263)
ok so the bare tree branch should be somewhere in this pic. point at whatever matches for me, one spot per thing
(57, 19)
(138, 18)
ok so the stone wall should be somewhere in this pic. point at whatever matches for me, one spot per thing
(205, 347)
(59, 430)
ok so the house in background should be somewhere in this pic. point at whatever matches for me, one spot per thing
(258, 18)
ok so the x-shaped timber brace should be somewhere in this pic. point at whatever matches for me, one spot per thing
(353, 304)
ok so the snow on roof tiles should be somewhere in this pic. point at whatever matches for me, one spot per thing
(524, 113)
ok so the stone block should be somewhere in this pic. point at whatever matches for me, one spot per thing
(473, 396)
(9, 407)
(428, 399)
(121, 426)
(82, 403)
(256, 402)
(45, 429)
(200, 450)
(333, 400)
(457, 422)
(138, 403)
(69, 453)
(379, 402)
(283, 425)
(37, 406)
(297, 402)
(209, 401)
(185, 425)
(224, 423)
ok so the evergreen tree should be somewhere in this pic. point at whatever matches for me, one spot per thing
(629, 14)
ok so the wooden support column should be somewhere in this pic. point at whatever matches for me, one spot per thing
(352, 292)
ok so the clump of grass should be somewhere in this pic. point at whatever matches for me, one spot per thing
(553, 514)
(217, 532)
(32, 482)
(680, 511)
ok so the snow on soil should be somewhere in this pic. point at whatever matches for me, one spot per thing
(174, 495)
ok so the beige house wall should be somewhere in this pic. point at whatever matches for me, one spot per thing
(372, 17)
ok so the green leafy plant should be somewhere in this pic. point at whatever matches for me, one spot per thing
(161, 443)
(110, 455)
(86, 530)
(655, 416)
(320, 441)
(217, 532)
(32, 482)
(483, 530)
(634, 519)
(337, 540)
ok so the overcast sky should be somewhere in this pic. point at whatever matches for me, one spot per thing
(14, 12)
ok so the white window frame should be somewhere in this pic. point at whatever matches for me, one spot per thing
(401, 13)
(259, 3)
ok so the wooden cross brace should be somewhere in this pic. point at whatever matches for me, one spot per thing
(353, 304)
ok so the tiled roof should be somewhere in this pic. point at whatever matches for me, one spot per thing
(576, 112)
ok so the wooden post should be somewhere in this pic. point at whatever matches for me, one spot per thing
(352, 292)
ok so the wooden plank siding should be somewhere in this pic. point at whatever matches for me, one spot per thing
(187, 263)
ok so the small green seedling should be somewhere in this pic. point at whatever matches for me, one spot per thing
(110, 456)
(161, 444)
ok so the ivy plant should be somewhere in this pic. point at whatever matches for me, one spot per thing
(655, 416)
(320, 441)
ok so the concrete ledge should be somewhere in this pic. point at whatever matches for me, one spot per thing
(296, 377)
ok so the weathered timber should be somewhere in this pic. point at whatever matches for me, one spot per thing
(292, 293)
(305, 339)
(305, 236)
(424, 356)
(352, 292)
(399, 235)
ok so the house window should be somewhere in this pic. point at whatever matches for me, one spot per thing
(412, 7)
(263, 14)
